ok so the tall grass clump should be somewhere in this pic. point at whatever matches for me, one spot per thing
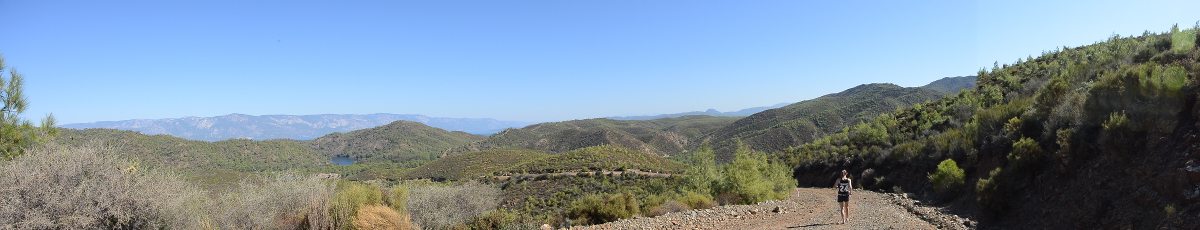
(91, 187)
(350, 197)
(444, 207)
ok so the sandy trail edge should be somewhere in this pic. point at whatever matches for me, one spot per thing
(808, 208)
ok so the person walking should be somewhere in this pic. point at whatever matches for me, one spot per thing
(844, 188)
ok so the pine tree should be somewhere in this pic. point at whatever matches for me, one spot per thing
(17, 134)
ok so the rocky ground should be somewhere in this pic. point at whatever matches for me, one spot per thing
(808, 208)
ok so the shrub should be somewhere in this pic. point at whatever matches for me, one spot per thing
(374, 216)
(281, 201)
(669, 207)
(993, 198)
(1024, 150)
(948, 176)
(600, 208)
(397, 199)
(1182, 41)
(754, 179)
(350, 197)
(90, 187)
(728, 199)
(697, 200)
(501, 219)
(443, 207)
(703, 176)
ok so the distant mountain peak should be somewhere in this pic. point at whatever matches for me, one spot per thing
(709, 112)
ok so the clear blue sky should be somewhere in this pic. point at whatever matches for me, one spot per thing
(91, 61)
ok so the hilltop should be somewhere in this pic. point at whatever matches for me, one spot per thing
(299, 127)
(169, 152)
(663, 137)
(709, 112)
(777, 129)
(399, 144)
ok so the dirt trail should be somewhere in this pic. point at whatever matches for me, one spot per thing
(808, 208)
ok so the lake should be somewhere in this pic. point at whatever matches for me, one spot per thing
(341, 160)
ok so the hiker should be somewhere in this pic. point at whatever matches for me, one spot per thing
(844, 188)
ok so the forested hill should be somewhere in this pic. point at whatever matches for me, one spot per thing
(952, 85)
(663, 137)
(402, 143)
(398, 139)
(299, 127)
(169, 152)
(777, 129)
(1102, 136)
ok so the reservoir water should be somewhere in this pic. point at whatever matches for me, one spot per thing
(341, 160)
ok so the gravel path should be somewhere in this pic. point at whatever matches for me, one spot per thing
(808, 208)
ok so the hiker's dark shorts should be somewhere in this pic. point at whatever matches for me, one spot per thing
(843, 198)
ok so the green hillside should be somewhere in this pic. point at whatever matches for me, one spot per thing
(164, 151)
(397, 141)
(952, 85)
(474, 164)
(776, 129)
(597, 158)
(663, 137)
(401, 144)
(1093, 137)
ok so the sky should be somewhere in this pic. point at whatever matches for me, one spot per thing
(535, 61)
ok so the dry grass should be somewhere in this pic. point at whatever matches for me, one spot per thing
(381, 217)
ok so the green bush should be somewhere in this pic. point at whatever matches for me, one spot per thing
(1024, 150)
(697, 200)
(397, 198)
(703, 176)
(600, 208)
(754, 179)
(948, 176)
(993, 197)
(350, 197)
(1182, 41)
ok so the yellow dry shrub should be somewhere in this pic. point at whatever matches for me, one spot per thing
(372, 217)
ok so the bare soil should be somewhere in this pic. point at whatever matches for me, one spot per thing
(808, 208)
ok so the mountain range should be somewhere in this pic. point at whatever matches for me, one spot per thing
(709, 112)
(298, 127)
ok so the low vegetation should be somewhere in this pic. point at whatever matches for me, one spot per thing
(662, 137)
(57, 187)
(596, 158)
(473, 165)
